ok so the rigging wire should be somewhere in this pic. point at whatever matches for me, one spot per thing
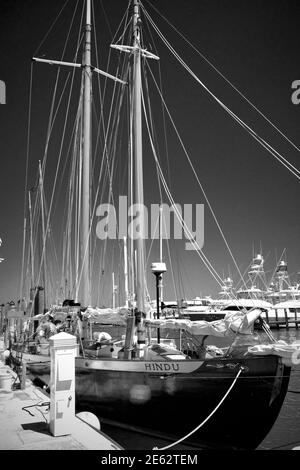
(198, 180)
(51, 27)
(225, 78)
(179, 216)
(159, 181)
(26, 178)
(52, 119)
(259, 139)
(105, 154)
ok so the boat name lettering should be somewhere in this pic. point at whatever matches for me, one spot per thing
(161, 367)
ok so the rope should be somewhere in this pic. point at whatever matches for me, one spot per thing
(205, 421)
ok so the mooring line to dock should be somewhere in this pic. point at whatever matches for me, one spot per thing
(205, 421)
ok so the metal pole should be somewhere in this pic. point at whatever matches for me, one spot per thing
(126, 273)
(113, 287)
(160, 248)
(86, 164)
(44, 259)
(31, 241)
(138, 158)
(158, 278)
(160, 233)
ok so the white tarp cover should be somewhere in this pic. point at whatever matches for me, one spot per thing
(107, 316)
(232, 323)
(289, 352)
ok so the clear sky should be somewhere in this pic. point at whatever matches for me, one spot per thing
(255, 44)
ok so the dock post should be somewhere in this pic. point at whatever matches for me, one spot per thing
(267, 317)
(286, 318)
(63, 349)
(276, 315)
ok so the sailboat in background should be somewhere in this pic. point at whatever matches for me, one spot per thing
(165, 376)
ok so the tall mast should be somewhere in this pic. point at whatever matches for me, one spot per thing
(126, 273)
(44, 233)
(86, 164)
(138, 157)
(31, 241)
(84, 289)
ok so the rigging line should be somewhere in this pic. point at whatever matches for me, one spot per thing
(50, 125)
(71, 88)
(52, 26)
(151, 245)
(162, 106)
(225, 78)
(265, 144)
(26, 171)
(97, 192)
(98, 79)
(159, 181)
(198, 180)
(70, 144)
(105, 17)
(36, 202)
(179, 216)
(109, 56)
(287, 164)
(74, 142)
(28, 138)
(171, 266)
(188, 233)
(52, 118)
(67, 230)
(57, 167)
(105, 132)
(61, 149)
(244, 274)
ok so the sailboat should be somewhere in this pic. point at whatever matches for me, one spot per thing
(144, 381)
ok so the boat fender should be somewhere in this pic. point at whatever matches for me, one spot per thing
(90, 419)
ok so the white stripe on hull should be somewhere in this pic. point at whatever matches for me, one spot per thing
(171, 367)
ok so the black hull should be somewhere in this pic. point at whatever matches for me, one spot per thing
(173, 405)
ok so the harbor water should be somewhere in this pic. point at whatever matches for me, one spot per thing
(284, 435)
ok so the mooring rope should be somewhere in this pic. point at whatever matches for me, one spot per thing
(205, 421)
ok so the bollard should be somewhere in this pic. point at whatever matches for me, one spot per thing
(63, 349)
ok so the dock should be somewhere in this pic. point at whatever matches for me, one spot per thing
(24, 420)
(283, 320)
